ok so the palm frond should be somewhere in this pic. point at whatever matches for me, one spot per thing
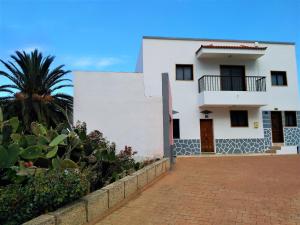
(36, 82)
(60, 87)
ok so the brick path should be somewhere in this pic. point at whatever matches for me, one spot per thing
(219, 190)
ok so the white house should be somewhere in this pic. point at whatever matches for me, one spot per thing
(227, 97)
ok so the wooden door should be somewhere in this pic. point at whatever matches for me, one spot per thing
(277, 132)
(207, 137)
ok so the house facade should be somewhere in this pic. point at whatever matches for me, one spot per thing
(227, 96)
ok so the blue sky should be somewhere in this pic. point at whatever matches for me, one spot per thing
(105, 35)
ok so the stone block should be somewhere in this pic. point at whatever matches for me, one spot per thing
(97, 204)
(168, 165)
(130, 185)
(116, 193)
(45, 219)
(142, 178)
(158, 168)
(74, 213)
(165, 161)
(151, 172)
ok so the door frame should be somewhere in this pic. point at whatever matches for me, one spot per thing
(213, 136)
(282, 127)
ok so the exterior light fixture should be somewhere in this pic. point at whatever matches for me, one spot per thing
(206, 113)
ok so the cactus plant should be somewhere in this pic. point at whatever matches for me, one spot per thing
(42, 143)
(9, 156)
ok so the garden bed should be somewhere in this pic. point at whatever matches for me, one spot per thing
(99, 203)
(44, 168)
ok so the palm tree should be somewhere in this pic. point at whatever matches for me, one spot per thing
(5, 88)
(33, 93)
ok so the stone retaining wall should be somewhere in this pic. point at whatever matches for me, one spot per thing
(96, 204)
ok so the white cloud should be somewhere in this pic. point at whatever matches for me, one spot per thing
(108, 61)
(29, 48)
(32, 48)
(101, 62)
(82, 62)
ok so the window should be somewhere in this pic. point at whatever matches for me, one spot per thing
(239, 118)
(176, 130)
(290, 119)
(278, 78)
(184, 72)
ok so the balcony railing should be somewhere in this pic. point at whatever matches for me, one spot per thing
(231, 83)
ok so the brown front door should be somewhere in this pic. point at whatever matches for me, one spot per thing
(207, 137)
(277, 132)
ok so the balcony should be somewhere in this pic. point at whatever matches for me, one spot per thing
(232, 90)
(247, 52)
(231, 83)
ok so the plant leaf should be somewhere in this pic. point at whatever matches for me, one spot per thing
(3, 157)
(32, 152)
(15, 137)
(42, 140)
(14, 123)
(8, 157)
(31, 140)
(13, 153)
(26, 171)
(1, 115)
(56, 163)
(38, 129)
(68, 163)
(52, 152)
(57, 140)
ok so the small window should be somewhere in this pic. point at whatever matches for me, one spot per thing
(278, 78)
(184, 72)
(290, 119)
(239, 118)
(176, 130)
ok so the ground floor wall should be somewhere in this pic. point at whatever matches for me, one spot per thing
(186, 146)
(256, 144)
(292, 136)
(115, 104)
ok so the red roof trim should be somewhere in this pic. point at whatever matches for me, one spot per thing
(231, 47)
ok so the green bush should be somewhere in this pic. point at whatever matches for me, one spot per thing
(38, 167)
(44, 192)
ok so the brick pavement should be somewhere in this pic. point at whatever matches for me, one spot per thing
(240, 190)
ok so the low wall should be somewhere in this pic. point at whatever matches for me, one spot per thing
(97, 204)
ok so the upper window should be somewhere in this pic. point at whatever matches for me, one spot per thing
(184, 72)
(239, 118)
(278, 78)
(290, 118)
(176, 130)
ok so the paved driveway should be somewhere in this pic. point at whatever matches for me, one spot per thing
(219, 190)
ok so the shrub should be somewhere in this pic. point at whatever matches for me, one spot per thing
(126, 160)
(38, 167)
(44, 192)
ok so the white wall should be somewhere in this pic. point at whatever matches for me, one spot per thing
(281, 58)
(162, 55)
(229, 98)
(115, 104)
(139, 62)
(222, 124)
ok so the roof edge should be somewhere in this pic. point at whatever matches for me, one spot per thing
(231, 47)
(99, 71)
(220, 40)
